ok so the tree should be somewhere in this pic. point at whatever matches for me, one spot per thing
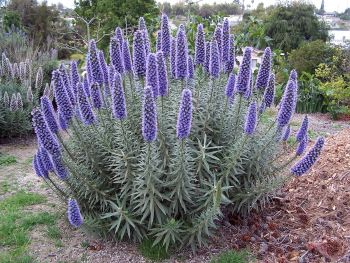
(291, 24)
(11, 18)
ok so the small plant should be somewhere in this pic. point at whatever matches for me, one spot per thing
(233, 257)
(153, 252)
(145, 153)
(7, 159)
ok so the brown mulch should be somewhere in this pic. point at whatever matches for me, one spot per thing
(309, 220)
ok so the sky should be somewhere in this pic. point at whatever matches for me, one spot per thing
(330, 5)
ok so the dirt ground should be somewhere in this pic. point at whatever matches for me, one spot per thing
(308, 221)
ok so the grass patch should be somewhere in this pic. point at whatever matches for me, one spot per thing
(155, 253)
(6, 159)
(233, 256)
(16, 223)
(4, 187)
(53, 232)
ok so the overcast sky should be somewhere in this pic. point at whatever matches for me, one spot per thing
(330, 5)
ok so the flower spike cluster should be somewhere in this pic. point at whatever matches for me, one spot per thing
(270, 92)
(184, 119)
(49, 114)
(139, 54)
(74, 216)
(251, 119)
(115, 49)
(165, 35)
(149, 116)
(226, 41)
(94, 63)
(200, 46)
(230, 63)
(181, 54)
(287, 106)
(243, 79)
(264, 70)
(118, 98)
(214, 60)
(86, 113)
(152, 73)
(230, 87)
(302, 132)
(162, 74)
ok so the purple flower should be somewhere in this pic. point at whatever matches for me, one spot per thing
(190, 67)
(181, 53)
(249, 90)
(200, 46)
(309, 159)
(149, 116)
(87, 115)
(36, 166)
(43, 133)
(119, 34)
(127, 57)
(243, 79)
(94, 63)
(165, 34)
(62, 99)
(250, 122)
(142, 24)
(162, 74)
(67, 84)
(207, 57)
(159, 41)
(152, 74)
(118, 98)
(286, 134)
(111, 72)
(60, 169)
(19, 101)
(214, 60)
(49, 114)
(74, 75)
(74, 216)
(226, 41)
(173, 57)
(302, 132)
(139, 55)
(270, 91)
(13, 103)
(302, 145)
(184, 119)
(146, 42)
(264, 70)
(86, 86)
(218, 37)
(230, 63)
(287, 105)
(96, 95)
(103, 64)
(116, 55)
(293, 75)
(46, 159)
(41, 166)
(230, 87)
(62, 121)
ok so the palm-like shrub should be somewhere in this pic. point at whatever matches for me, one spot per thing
(151, 147)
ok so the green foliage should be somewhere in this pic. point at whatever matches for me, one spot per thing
(153, 252)
(11, 19)
(233, 257)
(310, 54)
(7, 159)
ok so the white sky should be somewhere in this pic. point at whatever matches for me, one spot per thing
(330, 5)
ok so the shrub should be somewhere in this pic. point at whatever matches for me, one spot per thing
(147, 157)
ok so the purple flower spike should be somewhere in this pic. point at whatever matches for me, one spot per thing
(293, 75)
(162, 74)
(173, 57)
(42, 168)
(302, 146)
(13, 103)
(243, 79)
(127, 57)
(146, 42)
(159, 41)
(36, 166)
(60, 170)
(269, 95)
(226, 41)
(86, 86)
(250, 123)
(230, 63)
(96, 95)
(287, 106)
(309, 159)
(152, 74)
(230, 87)
(74, 75)
(302, 132)
(218, 37)
(149, 116)
(119, 34)
(74, 216)
(207, 57)
(61, 96)
(49, 114)
(118, 98)
(264, 70)
(190, 68)
(67, 83)
(181, 53)
(200, 46)
(46, 159)
(184, 119)
(139, 55)
(111, 72)
(165, 33)
(94, 63)
(43, 133)
(116, 56)
(214, 60)
(104, 69)
(87, 115)
(249, 90)
(62, 121)
(142, 24)
(286, 134)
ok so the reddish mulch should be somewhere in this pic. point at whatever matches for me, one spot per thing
(309, 220)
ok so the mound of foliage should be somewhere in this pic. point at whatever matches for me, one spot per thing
(155, 145)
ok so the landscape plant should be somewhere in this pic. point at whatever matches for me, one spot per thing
(159, 143)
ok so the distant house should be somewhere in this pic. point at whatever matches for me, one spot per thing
(256, 58)
(234, 19)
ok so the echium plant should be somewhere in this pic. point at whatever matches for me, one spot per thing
(176, 140)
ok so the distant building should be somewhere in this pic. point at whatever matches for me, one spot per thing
(234, 19)
(256, 58)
